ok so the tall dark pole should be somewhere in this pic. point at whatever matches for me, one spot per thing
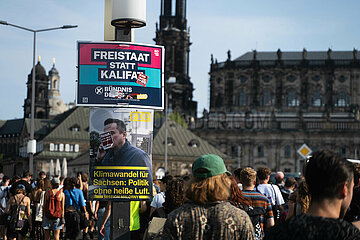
(166, 132)
(120, 211)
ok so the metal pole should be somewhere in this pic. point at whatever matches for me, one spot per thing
(32, 130)
(166, 131)
(121, 211)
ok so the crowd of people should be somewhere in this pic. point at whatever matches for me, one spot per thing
(246, 205)
(212, 203)
(45, 208)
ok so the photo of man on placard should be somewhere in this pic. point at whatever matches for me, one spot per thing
(116, 150)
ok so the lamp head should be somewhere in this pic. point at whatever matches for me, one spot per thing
(3, 22)
(69, 26)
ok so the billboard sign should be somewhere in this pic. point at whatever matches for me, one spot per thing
(114, 74)
(120, 154)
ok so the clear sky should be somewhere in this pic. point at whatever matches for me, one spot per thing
(215, 27)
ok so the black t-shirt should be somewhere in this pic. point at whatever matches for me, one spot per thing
(102, 204)
(313, 228)
(353, 213)
(28, 187)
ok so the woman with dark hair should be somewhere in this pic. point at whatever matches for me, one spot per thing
(20, 217)
(299, 201)
(74, 203)
(47, 184)
(174, 198)
(37, 198)
(236, 196)
(175, 195)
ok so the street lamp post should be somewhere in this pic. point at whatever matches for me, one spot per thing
(31, 147)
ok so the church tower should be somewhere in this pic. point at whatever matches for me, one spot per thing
(57, 106)
(41, 93)
(175, 37)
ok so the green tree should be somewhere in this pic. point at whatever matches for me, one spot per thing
(176, 117)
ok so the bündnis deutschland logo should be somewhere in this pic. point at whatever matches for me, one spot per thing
(99, 90)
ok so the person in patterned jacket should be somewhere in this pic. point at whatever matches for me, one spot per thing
(208, 214)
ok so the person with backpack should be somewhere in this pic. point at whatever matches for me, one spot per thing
(54, 203)
(25, 181)
(271, 191)
(18, 209)
(262, 214)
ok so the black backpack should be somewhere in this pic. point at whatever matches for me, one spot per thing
(254, 214)
(17, 217)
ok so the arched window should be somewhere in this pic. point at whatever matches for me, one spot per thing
(342, 151)
(316, 99)
(194, 143)
(291, 99)
(170, 141)
(260, 149)
(341, 100)
(266, 99)
(241, 99)
(41, 94)
(54, 84)
(287, 151)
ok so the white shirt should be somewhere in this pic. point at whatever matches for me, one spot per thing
(270, 191)
(158, 200)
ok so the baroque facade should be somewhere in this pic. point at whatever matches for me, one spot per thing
(265, 105)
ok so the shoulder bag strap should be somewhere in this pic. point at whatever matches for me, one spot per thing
(20, 200)
(77, 206)
(276, 200)
(42, 196)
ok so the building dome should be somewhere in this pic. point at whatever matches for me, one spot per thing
(40, 73)
(39, 70)
(53, 70)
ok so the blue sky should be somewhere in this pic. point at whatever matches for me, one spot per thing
(215, 27)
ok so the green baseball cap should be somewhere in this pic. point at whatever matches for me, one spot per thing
(209, 165)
